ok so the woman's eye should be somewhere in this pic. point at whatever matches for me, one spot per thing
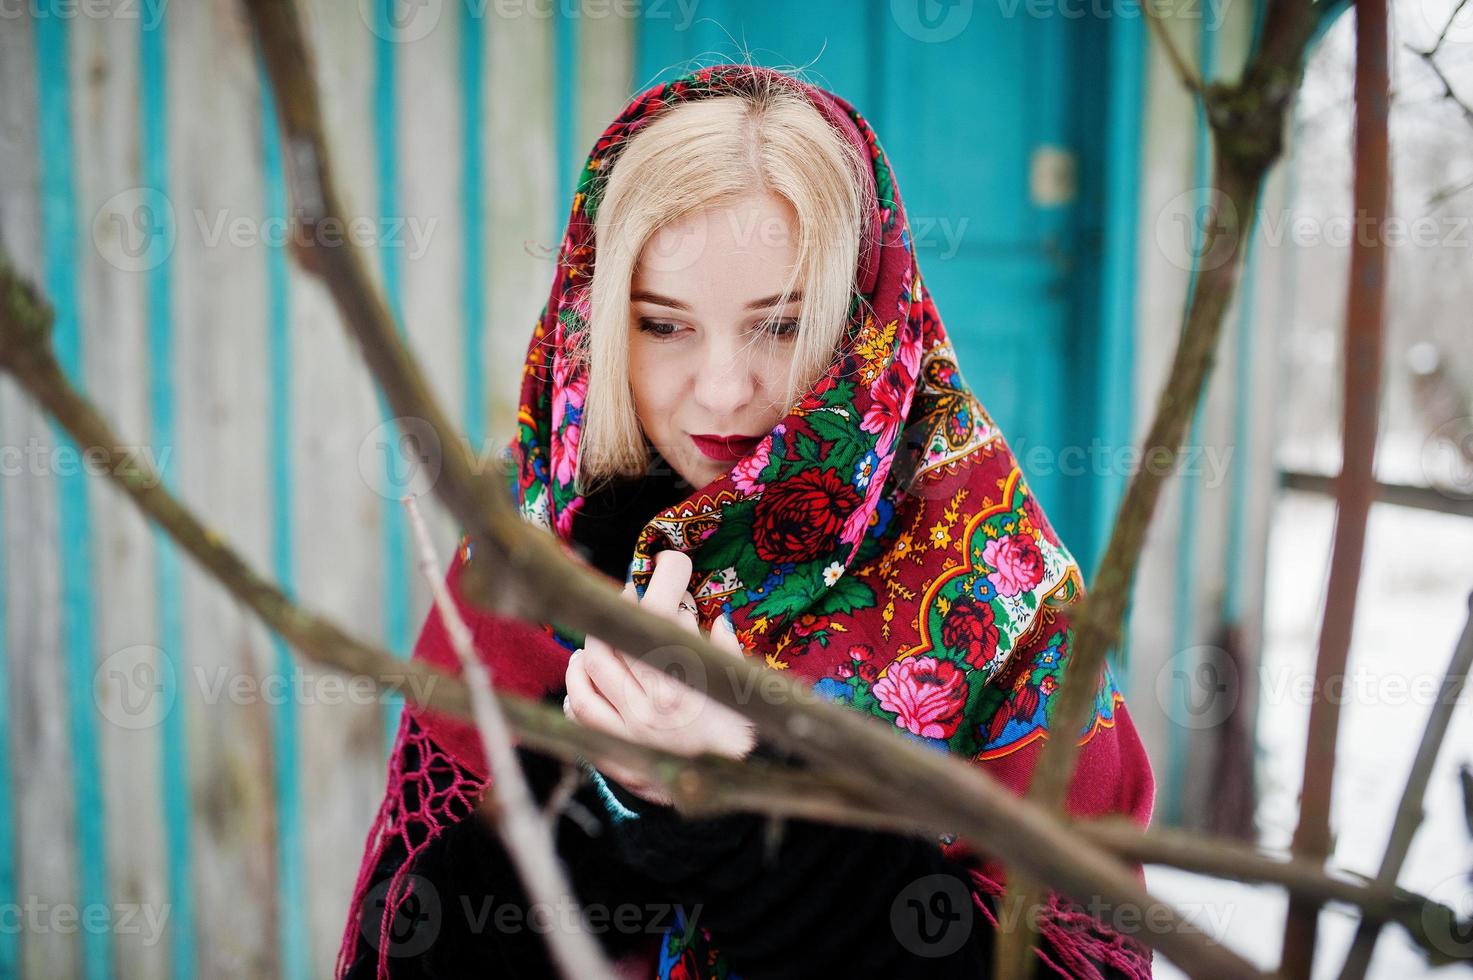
(658, 328)
(783, 329)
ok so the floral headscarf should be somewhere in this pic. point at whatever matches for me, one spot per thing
(881, 542)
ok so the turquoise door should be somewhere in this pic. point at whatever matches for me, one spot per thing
(988, 114)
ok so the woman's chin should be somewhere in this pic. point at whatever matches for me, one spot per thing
(698, 473)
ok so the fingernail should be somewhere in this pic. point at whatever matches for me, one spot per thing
(565, 702)
(574, 655)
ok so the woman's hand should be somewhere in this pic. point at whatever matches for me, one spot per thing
(613, 692)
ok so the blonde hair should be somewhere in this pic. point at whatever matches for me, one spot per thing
(700, 154)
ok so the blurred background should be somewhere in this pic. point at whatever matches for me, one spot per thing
(178, 798)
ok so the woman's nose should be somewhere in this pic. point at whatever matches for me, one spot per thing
(724, 383)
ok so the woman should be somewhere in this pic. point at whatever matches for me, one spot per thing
(748, 411)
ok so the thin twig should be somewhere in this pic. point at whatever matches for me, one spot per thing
(1442, 34)
(1190, 80)
(1409, 812)
(1429, 58)
(528, 837)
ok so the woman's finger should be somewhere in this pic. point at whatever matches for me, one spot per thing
(608, 680)
(587, 706)
(614, 678)
(670, 579)
(723, 636)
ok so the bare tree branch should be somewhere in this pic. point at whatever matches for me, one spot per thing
(1409, 812)
(1188, 76)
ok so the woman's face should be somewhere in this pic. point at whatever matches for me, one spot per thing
(709, 348)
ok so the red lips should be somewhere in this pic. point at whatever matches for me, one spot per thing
(726, 449)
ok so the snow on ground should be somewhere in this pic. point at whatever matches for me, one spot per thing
(1417, 575)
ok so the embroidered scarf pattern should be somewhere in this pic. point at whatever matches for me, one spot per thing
(881, 544)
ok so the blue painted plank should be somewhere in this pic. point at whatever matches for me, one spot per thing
(174, 744)
(61, 232)
(9, 938)
(1115, 405)
(395, 530)
(292, 909)
(472, 78)
(1183, 622)
(568, 157)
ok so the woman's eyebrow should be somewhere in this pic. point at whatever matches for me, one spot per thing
(644, 295)
(649, 297)
(773, 300)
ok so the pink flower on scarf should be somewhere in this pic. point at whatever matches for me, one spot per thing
(909, 356)
(569, 391)
(566, 467)
(746, 472)
(1018, 561)
(887, 412)
(927, 695)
